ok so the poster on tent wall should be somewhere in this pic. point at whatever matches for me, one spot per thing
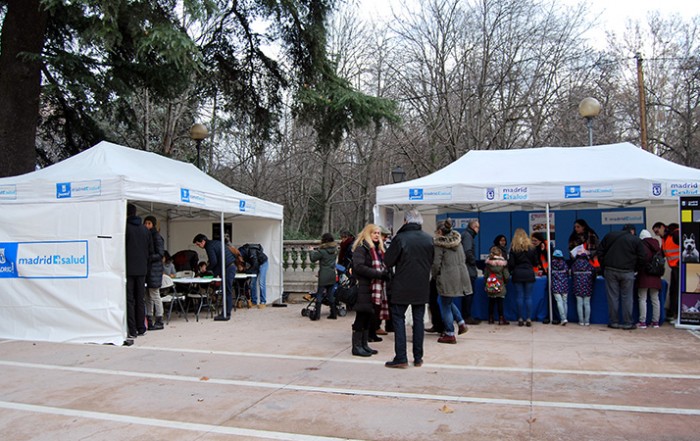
(690, 261)
(62, 272)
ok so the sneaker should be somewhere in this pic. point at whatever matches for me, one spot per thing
(581, 323)
(586, 324)
(450, 339)
(654, 324)
(642, 325)
(564, 322)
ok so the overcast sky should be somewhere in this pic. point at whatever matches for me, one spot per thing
(613, 14)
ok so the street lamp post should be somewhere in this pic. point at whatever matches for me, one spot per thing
(198, 132)
(397, 174)
(589, 108)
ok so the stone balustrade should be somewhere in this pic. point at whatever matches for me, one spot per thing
(300, 274)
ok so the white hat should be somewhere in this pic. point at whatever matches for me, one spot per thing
(644, 234)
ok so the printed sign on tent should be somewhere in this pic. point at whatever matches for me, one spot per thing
(689, 313)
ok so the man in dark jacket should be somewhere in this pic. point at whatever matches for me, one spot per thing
(620, 253)
(213, 249)
(411, 255)
(470, 255)
(257, 263)
(139, 247)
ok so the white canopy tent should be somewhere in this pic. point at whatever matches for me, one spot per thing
(62, 251)
(604, 176)
(615, 175)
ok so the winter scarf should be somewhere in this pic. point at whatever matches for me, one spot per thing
(377, 285)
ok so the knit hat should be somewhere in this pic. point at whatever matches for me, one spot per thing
(629, 228)
(558, 253)
(644, 234)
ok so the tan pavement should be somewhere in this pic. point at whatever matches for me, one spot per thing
(273, 374)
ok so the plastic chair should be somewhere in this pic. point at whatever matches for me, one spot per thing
(170, 295)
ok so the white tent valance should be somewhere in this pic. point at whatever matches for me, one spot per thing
(564, 177)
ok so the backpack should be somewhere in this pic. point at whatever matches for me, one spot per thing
(493, 285)
(656, 266)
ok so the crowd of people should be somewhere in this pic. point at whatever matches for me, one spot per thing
(418, 269)
(415, 269)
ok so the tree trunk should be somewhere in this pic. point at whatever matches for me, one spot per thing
(23, 35)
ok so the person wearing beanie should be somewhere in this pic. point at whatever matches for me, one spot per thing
(560, 284)
(648, 285)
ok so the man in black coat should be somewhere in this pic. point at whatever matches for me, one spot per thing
(411, 255)
(139, 247)
(620, 254)
(213, 249)
(470, 257)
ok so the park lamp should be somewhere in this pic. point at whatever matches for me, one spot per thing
(589, 108)
(398, 175)
(198, 132)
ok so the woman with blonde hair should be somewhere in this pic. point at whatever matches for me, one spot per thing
(370, 272)
(521, 264)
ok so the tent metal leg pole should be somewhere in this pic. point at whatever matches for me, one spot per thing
(223, 266)
(549, 265)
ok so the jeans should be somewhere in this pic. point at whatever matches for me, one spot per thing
(583, 308)
(230, 278)
(329, 292)
(562, 306)
(523, 295)
(655, 311)
(398, 317)
(620, 290)
(260, 283)
(450, 313)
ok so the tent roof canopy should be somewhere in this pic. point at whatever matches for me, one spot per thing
(109, 171)
(615, 175)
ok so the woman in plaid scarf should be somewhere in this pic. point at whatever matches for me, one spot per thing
(368, 267)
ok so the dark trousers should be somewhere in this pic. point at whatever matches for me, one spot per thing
(363, 320)
(329, 293)
(398, 316)
(230, 279)
(434, 308)
(498, 303)
(135, 307)
(467, 301)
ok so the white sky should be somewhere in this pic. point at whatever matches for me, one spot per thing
(612, 14)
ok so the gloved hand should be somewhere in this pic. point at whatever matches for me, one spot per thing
(386, 275)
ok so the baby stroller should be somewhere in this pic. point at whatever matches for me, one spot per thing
(342, 279)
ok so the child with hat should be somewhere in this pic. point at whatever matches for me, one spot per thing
(560, 284)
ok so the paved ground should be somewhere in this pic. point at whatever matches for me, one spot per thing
(272, 374)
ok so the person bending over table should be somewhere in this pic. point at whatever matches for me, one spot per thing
(213, 249)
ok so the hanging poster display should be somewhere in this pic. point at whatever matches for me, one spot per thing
(689, 313)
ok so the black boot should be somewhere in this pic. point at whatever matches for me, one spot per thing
(365, 341)
(334, 312)
(149, 320)
(157, 325)
(357, 348)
